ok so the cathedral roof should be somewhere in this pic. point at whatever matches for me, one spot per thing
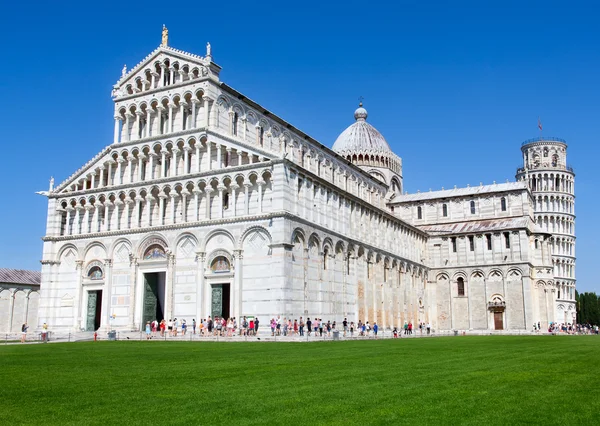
(20, 276)
(360, 137)
(461, 192)
(486, 225)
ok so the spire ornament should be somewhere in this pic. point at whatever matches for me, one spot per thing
(165, 36)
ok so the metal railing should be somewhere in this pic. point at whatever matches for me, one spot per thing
(521, 169)
(543, 139)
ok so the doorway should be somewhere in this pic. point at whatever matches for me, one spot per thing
(94, 310)
(154, 297)
(498, 321)
(220, 300)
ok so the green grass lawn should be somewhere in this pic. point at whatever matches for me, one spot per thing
(453, 380)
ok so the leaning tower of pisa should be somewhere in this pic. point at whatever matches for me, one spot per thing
(552, 184)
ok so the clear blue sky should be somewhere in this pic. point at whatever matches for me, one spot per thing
(455, 87)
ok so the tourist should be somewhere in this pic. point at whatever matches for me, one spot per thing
(183, 327)
(295, 327)
(352, 329)
(45, 333)
(320, 327)
(301, 327)
(244, 328)
(428, 328)
(273, 326)
(316, 326)
(328, 327)
(170, 327)
(368, 328)
(162, 327)
(395, 331)
(278, 325)
(363, 330)
(148, 330)
(285, 327)
(24, 328)
(209, 326)
(256, 322)
(251, 327)
(405, 328)
(193, 325)
(308, 326)
(175, 326)
(375, 329)
(410, 328)
(345, 326)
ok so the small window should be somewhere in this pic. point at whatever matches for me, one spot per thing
(471, 243)
(488, 239)
(536, 244)
(503, 204)
(472, 207)
(261, 136)
(545, 152)
(445, 210)
(453, 244)
(461, 286)
(419, 212)
(325, 261)
(507, 239)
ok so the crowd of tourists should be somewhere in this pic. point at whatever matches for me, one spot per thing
(286, 327)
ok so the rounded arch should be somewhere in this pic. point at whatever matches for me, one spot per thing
(256, 228)
(216, 232)
(327, 243)
(298, 234)
(91, 246)
(65, 248)
(459, 274)
(151, 240)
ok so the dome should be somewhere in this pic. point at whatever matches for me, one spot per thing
(360, 136)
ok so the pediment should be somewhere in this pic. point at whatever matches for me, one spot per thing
(146, 73)
(82, 173)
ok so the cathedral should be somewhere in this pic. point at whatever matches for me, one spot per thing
(208, 204)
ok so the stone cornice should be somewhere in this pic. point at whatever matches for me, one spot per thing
(177, 226)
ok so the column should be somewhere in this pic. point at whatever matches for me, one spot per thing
(118, 203)
(184, 195)
(206, 100)
(130, 160)
(238, 282)
(101, 179)
(133, 263)
(161, 82)
(160, 129)
(187, 152)
(200, 258)
(161, 208)
(77, 221)
(221, 188)
(234, 187)
(150, 167)
(260, 198)
(219, 158)
(147, 128)
(109, 180)
(127, 134)
(228, 157)
(197, 162)
(149, 209)
(163, 165)
(170, 114)
(169, 286)
(117, 134)
(119, 177)
(140, 167)
(182, 105)
(107, 294)
(208, 191)
(174, 195)
(197, 193)
(137, 125)
(127, 223)
(95, 227)
(85, 224)
(174, 159)
(77, 301)
(195, 103)
(209, 154)
(246, 194)
(69, 228)
(135, 222)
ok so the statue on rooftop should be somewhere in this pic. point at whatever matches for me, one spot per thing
(165, 36)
